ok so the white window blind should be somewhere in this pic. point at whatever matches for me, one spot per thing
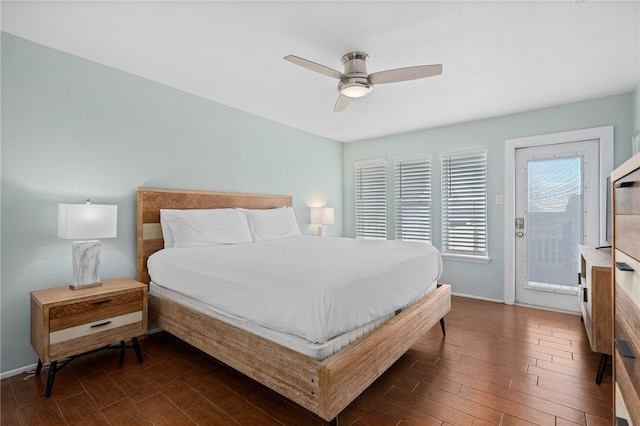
(413, 198)
(464, 203)
(371, 199)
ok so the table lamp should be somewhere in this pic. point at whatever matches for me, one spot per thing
(322, 216)
(86, 222)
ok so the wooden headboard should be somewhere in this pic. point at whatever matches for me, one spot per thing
(149, 201)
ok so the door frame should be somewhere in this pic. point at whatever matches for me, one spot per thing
(603, 134)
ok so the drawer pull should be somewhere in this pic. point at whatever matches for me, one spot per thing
(626, 184)
(101, 302)
(621, 422)
(624, 348)
(101, 324)
(624, 267)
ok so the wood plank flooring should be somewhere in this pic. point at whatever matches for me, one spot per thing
(497, 365)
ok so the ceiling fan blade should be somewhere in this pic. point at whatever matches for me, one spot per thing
(342, 103)
(305, 63)
(404, 74)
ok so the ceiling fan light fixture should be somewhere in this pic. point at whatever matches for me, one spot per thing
(355, 87)
(356, 82)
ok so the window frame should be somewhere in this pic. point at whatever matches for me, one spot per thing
(371, 208)
(476, 215)
(420, 205)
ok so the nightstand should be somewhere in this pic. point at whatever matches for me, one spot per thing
(68, 323)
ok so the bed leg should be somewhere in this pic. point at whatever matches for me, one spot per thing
(444, 333)
(334, 422)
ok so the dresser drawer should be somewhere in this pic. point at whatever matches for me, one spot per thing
(627, 191)
(620, 410)
(627, 214)
(627, 320)
(629, 281)
(74, 314)
(626, 380)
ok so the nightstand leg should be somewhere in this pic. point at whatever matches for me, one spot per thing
(444, 333)
(39, 368)
(122, 347)
(136, 347)
(52, 375)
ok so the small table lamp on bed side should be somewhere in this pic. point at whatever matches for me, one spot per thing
(322, 216)
(86, 222)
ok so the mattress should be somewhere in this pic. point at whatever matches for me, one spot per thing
(319, 351)
(311, 288)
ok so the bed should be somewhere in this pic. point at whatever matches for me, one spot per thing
(325, 386)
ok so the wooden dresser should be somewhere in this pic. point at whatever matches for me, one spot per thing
(626, 291)
(595, 301)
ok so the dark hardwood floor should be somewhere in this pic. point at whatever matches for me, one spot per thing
(498, 365)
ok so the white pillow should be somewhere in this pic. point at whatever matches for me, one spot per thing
(204, 227)
(272, 224)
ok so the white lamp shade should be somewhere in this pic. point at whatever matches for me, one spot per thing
(322, 215)
(87, 221)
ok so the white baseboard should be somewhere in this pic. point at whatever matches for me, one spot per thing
(516, 304)
(17, 371)
(486, 299)
(524, 305)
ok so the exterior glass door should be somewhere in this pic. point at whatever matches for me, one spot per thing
(557, 207)
(554, 218)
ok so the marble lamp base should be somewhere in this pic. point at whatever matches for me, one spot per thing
(86, 261)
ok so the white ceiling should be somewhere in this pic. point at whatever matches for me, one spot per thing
(498, 57)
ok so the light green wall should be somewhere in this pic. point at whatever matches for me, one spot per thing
(73, 129)
(483, 280)
(636, 109)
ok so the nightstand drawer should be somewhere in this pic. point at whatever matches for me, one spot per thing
(93, 309)
(94, 341)
(95, 327)
(63, 317)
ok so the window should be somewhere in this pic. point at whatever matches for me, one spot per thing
(464, 203)
(371, 199)
(413, 198)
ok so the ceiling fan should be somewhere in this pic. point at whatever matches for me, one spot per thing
(356, 83)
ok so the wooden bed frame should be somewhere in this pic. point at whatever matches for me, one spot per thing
(323, 387)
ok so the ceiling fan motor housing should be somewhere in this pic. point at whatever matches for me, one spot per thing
(355, 82)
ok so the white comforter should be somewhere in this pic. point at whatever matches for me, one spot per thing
(312, 287)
